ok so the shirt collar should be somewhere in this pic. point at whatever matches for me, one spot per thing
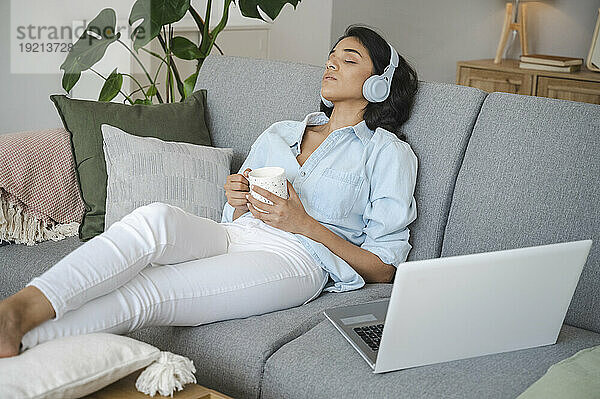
(294, 135)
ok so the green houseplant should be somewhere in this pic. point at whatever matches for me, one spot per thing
(155, 19)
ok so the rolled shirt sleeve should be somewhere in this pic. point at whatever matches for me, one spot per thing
(253, 162)
(392, 206)
(227, 216)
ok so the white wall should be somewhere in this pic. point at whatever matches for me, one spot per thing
(434, 34)
(25, 103)
(300, 35)
(303, 35)
(431, 34)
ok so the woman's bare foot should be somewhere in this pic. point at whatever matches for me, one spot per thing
(10, 330)
(20, 313)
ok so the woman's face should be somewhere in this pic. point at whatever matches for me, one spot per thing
(347, 68)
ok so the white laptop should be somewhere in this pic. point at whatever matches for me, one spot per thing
(464, 306)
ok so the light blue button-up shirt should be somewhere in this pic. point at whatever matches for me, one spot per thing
(358, 183)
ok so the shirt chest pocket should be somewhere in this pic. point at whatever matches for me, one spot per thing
(337, 194)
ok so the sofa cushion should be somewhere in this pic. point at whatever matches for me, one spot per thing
(322, 364)
(264, 91)
(230, 354)
(20, 263)
(142, 170)
(73, 366)
(530, 177)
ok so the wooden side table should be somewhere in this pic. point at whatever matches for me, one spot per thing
(125, 389)
(507, 77)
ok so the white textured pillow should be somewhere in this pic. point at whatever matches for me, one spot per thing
(74, 366)
(142, 170)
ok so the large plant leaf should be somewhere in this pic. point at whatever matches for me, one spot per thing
(71, 77)
(189, 84)
(154, 14)
(151, 92)
(271, 7)
(90, 47)
(185, 49)
(111, 87)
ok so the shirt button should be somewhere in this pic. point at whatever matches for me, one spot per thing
(303, 173)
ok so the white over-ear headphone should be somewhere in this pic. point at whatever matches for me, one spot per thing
(377, 87)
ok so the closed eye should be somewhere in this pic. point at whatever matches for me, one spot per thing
(351, 62)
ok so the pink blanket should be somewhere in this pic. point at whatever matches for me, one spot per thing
(38, 183)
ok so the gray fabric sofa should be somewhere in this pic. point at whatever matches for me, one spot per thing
(496, 171)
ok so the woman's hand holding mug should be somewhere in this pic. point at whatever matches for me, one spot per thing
(236, 187)
(274, 200)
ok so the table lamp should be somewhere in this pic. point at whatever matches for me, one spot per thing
(514, 21)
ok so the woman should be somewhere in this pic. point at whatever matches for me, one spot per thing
(346, 220)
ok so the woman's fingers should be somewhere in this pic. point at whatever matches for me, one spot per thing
(261, 205)
(236, 186)
(237, 198)
(274, 198)
(237, 183)
(242, 186)
(257, 214)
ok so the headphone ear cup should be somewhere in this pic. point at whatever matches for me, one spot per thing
(376, 89)
(367, 90)
(327, 103)
(381, 88)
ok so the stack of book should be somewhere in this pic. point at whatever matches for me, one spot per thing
(550, 63)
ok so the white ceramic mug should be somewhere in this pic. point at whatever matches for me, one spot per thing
(271, 178)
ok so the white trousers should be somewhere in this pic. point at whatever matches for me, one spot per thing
(160, 265)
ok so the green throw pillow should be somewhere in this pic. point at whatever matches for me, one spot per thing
(576, 377)
(182, 122)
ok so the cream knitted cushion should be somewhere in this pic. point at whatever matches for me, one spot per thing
(73, 366)
(142, 170)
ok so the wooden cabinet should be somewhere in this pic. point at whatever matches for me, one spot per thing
(507, 77)
(490, 81)
(569, 89)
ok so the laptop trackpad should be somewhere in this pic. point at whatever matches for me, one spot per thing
(358, 319)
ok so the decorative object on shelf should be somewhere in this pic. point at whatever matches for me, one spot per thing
(593, 59)
(544, 67)
(514, 22)
(554, 63)
(157, 18)
(555, 60)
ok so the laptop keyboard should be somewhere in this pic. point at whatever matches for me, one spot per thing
(370, 334)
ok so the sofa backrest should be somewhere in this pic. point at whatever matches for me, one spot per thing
(245, 96)
(530, 177)
(438, 132)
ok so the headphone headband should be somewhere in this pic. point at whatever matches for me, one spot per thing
(394, 58)
(388, 72)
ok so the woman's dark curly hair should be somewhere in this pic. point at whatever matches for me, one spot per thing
(395, 110)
